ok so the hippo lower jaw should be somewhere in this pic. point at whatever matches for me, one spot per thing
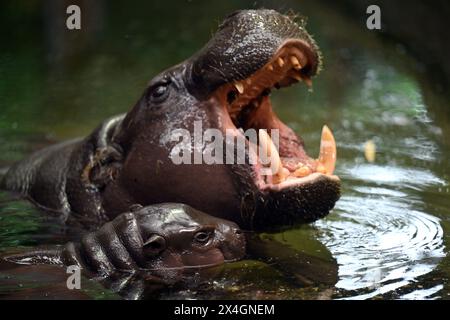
(302, 189)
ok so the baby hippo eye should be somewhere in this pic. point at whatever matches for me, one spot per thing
(202, 237)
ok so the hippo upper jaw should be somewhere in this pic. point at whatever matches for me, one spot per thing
(245, 41)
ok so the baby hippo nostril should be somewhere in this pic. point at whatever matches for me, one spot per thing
(154, 245)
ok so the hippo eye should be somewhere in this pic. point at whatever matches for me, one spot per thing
(159, 93)
(202, 237)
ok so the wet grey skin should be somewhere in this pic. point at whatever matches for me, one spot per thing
(158, 238)
(127, 159)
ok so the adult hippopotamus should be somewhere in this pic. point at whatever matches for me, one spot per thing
(226, 86)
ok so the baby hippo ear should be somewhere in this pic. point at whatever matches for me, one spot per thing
(154, 246)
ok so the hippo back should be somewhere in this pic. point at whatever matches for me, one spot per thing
(43, 176)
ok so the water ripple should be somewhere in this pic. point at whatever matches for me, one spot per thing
(380, 238)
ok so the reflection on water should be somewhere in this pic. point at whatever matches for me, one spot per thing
(393, 176)
(381, 241)
(390, 231)
(383, 232)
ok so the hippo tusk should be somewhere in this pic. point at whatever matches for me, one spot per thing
(327, 153)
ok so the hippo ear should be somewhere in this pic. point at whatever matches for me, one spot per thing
(154, 245)
(104, 167)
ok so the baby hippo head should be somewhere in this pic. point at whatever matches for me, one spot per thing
(173, 235)
(161, 237)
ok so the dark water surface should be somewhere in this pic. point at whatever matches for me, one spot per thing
(389, 233)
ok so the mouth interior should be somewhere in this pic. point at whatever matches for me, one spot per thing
(247, 106)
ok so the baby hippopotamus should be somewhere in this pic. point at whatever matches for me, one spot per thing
(160, 237)
(149, 249)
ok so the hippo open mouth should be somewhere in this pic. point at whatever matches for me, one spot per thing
(246, 105)
(253, 53)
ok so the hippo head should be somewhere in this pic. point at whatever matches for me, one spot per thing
(226, 86)
(178, 236)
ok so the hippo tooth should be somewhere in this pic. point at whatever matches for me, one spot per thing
(297, 77)
(321, 168)
(239, 87)
(302, 172)
(270, 67)
(282, 175)
(280, 62)
(327, 154)
(269, 149)
(295, 62)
